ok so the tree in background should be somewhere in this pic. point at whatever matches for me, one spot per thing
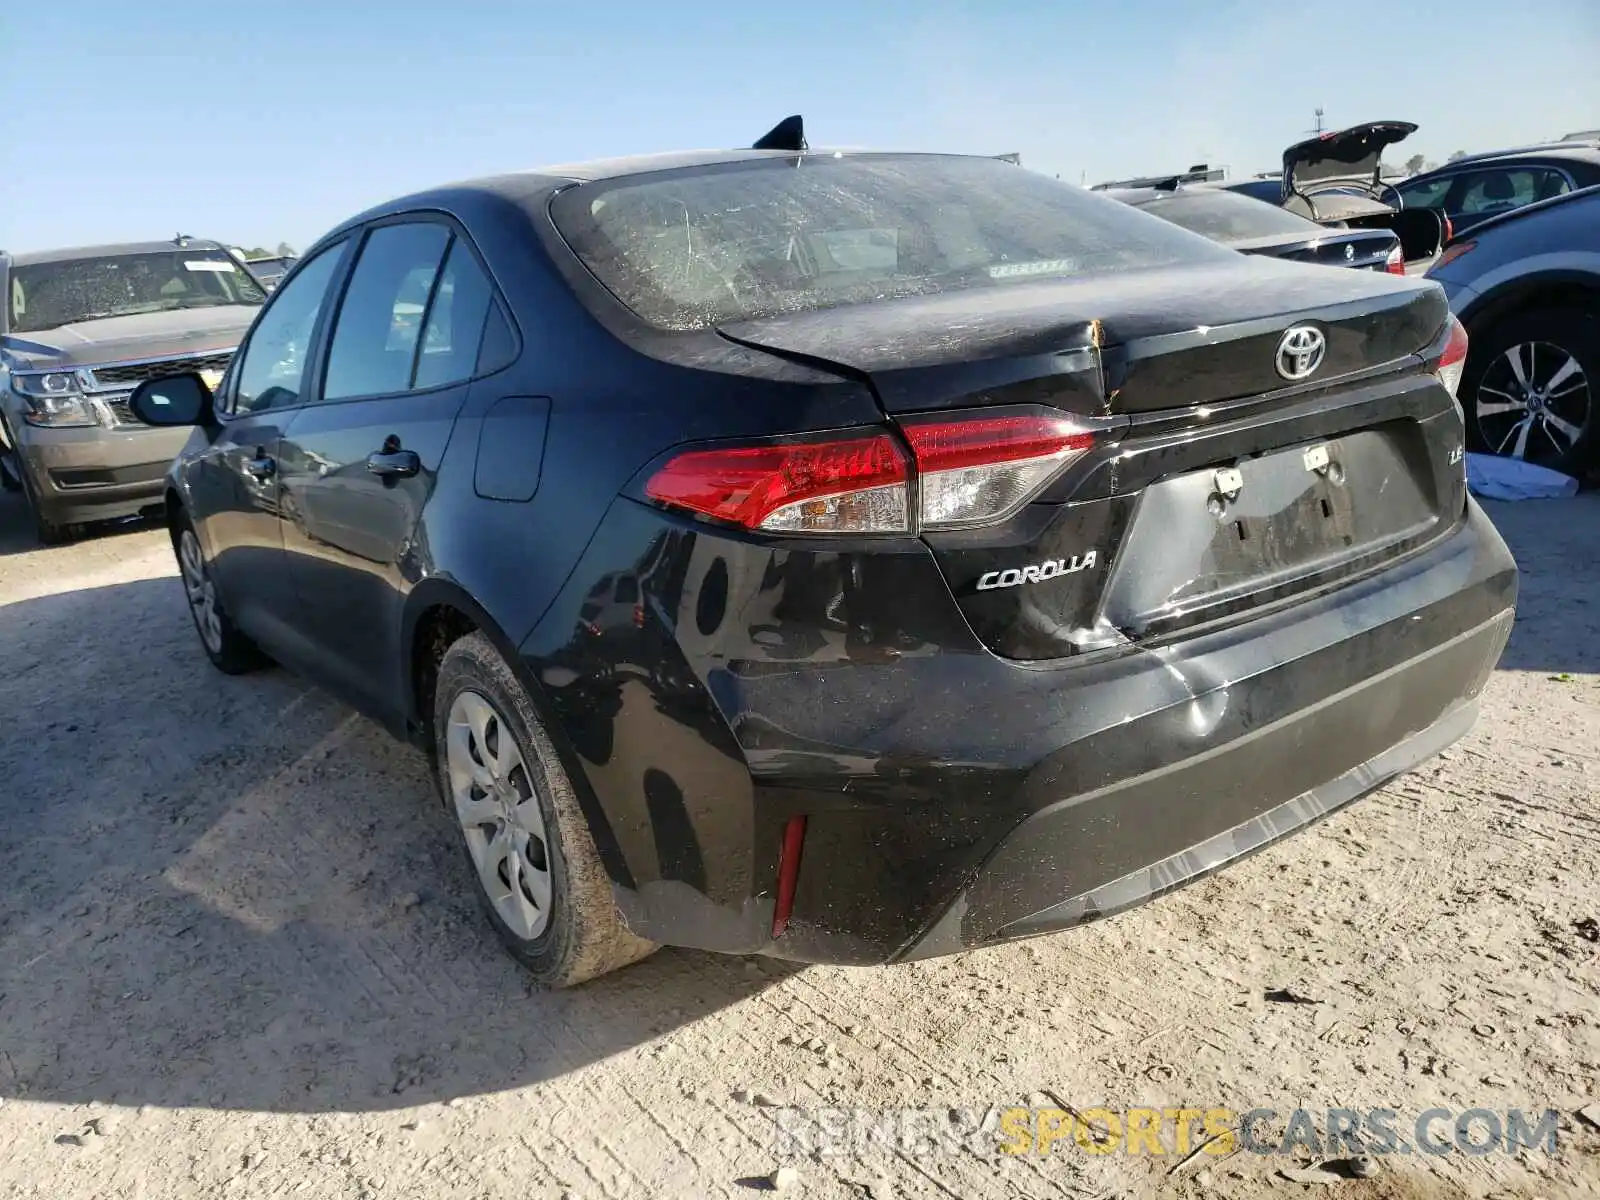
(1456, 155)
(1414, 164)
(286, 251)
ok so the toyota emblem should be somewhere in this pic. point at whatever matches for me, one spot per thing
(1300, 352)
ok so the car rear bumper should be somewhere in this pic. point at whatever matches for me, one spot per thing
(94, 474)
(954, 800)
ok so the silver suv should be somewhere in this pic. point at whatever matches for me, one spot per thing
(79, 329)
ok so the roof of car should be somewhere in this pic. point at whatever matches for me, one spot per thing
(1558, 152)
(68, 253)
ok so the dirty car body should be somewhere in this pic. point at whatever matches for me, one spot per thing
(79, 329)
(947, 551)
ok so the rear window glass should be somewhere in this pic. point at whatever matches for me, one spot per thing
(1226, 217)
(694, 248)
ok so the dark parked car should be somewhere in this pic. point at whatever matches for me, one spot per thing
(1255, 228)
(843, 557)
(1527, 285)
(1473, 189)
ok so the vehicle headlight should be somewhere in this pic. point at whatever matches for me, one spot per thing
(51, 398)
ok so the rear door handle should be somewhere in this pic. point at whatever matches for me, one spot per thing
(394, 464)
(261, 467)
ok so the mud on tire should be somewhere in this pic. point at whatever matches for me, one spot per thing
(584, 935)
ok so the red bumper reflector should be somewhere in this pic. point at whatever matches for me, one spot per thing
(794, 836)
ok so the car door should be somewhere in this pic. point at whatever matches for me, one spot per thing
(233, 481)
(360, 460)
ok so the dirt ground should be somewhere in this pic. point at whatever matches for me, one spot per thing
(239, 958)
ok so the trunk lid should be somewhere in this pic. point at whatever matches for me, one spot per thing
(1344, 156)
(1223, 486)
(1114, 344)
(1357, 248)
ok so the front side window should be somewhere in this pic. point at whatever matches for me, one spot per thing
(48, 295)
(379, 325)
(698, 247)
(272, 368)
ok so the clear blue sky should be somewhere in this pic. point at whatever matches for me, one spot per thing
(269, 121)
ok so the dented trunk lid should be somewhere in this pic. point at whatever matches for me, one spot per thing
(1130, 342)
(1223, 488)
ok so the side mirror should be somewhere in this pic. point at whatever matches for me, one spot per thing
(172, 400)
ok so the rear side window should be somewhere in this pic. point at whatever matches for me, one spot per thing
(379, 324)
(455, 321)
(698, 247)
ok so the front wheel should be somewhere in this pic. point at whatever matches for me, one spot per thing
(1529, 390)
(48, 532)
(229, 650)
(534, 864)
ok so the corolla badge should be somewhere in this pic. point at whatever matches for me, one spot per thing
(1035, 572)
(1300, 351)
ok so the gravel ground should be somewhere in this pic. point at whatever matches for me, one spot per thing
(238, 957)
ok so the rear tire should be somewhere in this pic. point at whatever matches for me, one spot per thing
(1532, 382)
(230, 651)
(534, 864)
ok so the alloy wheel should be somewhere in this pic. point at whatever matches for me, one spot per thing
(201, 591)
(1534, 402)
(499, 813)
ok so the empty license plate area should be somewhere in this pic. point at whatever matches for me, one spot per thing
(1225, 538)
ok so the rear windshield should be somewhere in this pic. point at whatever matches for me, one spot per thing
(694, 248)
(48, 295)
(1227, 217)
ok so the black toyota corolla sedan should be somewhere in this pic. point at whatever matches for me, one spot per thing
(842, 557)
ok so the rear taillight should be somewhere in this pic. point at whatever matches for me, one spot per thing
(1451, 253)
(1454, 358)
(1395, 264)
(843, 485)
(983, 469)
(963, 471)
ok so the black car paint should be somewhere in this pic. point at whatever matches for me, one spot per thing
(755, 677)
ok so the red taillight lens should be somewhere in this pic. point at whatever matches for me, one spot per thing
(1454, 358)
(1450, 254)
(849, 485)
(972, 470)
(983, 469)
(1395, 264)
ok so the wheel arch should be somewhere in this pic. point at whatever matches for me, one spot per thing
(1547, 289)
(438, 612)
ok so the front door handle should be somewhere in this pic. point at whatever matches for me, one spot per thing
(261, 467)
(394, 464)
